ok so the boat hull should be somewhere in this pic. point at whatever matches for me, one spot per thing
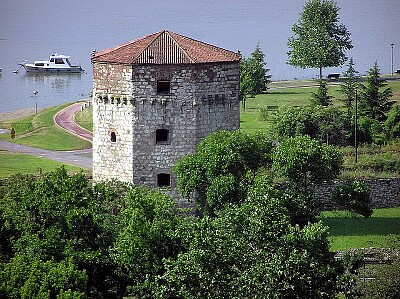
(40, 69)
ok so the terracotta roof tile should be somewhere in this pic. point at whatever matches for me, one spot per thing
(165, 47)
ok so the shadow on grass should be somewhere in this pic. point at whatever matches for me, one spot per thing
(362, 227)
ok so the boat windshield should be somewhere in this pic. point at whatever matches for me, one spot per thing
(59, 61)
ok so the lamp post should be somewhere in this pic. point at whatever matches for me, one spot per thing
(392, 56)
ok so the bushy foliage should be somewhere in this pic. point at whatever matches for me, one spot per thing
(150, 225)
(321, 97)
(392, 123)
(302, 161)
(386, 281)
(375, 103)
(222, 169)
(327, 124)
(353, 196)
(251, 250)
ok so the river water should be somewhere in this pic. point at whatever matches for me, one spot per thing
(34, 29)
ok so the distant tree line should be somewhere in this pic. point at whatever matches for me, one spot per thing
(377, 117)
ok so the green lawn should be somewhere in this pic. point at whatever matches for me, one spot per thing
(280, 94)
(85, 118)
(382, 229)
(41, 131)
(13, 163)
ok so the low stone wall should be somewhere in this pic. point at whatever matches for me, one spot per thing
(385, 193)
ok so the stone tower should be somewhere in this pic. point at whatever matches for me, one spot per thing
(154, 99)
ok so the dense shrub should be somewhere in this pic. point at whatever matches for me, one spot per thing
(353, 196)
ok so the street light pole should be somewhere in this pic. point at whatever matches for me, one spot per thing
(392, 56)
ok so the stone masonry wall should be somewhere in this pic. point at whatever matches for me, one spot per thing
(385, 193)
(203, 98)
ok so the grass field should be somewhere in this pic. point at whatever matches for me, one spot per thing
(41, 131)
(85, 118)
(13, 163)
(280, 95)
(382, 229)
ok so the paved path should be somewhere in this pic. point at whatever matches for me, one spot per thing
(80, 158)
(64, 119)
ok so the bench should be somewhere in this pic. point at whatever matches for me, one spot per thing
(334, 76)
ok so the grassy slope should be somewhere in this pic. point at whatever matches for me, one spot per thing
(40, 131)
(13, 163)
(84, 118)
(381, 230)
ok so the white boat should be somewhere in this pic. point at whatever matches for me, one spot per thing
(56, 63)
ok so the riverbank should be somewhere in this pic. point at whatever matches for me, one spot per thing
(18, 114)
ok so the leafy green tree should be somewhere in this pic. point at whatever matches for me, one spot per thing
(327, 124)
(353, 196)
(333, 126)
(250, 250)
(320, 40)
(152, 229)
(321, 97)
(349, 87)
(25, 277)
(57, 220)
(303, 161)
(375, 103)
(222, 169)
(253, 74)
(291, 121)
(392, 123)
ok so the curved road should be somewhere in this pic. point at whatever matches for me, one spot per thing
(64, 119)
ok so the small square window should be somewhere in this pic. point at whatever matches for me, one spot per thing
(163, 180)
(163, 86)
(162, 136)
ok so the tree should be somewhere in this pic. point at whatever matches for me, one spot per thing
(320, 40)
(353, 196)
(303, 161)
(349, 87)
(59, 223)
(253, 74)
(250, 250)
(392, 123)
(327, 124)
(222, 169)
(374, 102)
(321, 97)
(152, 229)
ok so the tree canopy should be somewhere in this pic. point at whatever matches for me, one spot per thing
(375, 100)
(253, 74)
(223, 168)
(319, 39)
(303, 161)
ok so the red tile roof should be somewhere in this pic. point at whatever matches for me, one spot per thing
(165, 47)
